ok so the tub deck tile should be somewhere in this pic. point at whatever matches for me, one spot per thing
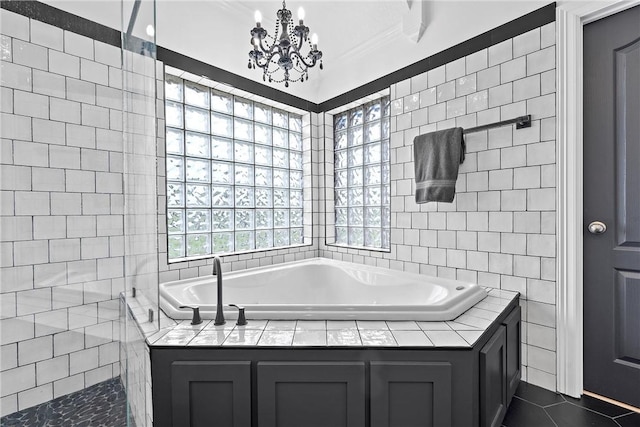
(241, 337)
(403, 326)
(186, 325)
(467, 319)
(499, 302)
(502, 294)
(341, 324)
(446, 339)
(470, 336)
(456, 326)
(489, 307)
(412, 339)
(311, 325)
(227, 327)
(276, 338)
(210, 337)
(252, 324)
(151, 339)
(281, 325)
(343, 337)
(434, 326)
(371, 337)
(177, 337)
(482, 314)
(376, 325)
(316, 337)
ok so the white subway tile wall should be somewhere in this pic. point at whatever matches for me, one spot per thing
(62, 212)
(500, 229)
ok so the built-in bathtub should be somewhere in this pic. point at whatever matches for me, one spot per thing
(324, 289)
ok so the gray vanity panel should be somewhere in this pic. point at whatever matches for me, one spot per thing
(311, 394)
(493, 381)
(410, 394)
(204, 391)
(512, 323)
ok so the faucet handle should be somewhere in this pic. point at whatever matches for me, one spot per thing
(196, 320)
(242, 320)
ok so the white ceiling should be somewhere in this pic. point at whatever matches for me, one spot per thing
(361, 40)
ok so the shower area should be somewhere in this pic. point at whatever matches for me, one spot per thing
(81, 189)
(142, 113)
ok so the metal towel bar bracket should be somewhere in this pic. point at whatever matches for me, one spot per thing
(521, 123)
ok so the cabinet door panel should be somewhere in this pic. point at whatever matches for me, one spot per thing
(405, 394)
(206, 391)
(512, 323)
(493, 387)
(311, 394)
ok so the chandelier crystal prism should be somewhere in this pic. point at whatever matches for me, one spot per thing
(280, 56)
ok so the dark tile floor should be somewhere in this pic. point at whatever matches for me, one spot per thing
(536, 407)
(104, 405)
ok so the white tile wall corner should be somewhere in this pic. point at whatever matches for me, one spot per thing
(499, 231)
(62, 212)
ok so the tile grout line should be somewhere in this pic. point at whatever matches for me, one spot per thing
(550, 417)
(624, 415)
(589, 409)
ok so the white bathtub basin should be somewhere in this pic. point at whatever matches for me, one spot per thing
(320, 288)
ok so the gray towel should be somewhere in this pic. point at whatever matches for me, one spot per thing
(436, 159)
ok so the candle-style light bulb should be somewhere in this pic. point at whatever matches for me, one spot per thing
(314, 41)
(301, 15)
(258, 17)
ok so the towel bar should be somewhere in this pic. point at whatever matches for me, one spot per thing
(521, 122)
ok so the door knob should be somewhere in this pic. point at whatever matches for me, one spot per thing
(597, 227)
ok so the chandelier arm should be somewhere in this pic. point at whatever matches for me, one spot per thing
(261, 65)
(268, 59)
(300, 43)
(269, 51)
(262, 45)
(301, 37)
(302, 59)
(301, 69)
(274, 70)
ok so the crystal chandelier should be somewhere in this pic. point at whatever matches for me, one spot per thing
(280, 56)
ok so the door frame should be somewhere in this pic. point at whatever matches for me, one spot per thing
(570, 20)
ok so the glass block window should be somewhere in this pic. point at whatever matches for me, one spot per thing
(361, 176)
(234, 173)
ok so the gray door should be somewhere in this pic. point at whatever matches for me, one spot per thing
(612, 197)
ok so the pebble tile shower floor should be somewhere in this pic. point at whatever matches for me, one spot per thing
(104, 405)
